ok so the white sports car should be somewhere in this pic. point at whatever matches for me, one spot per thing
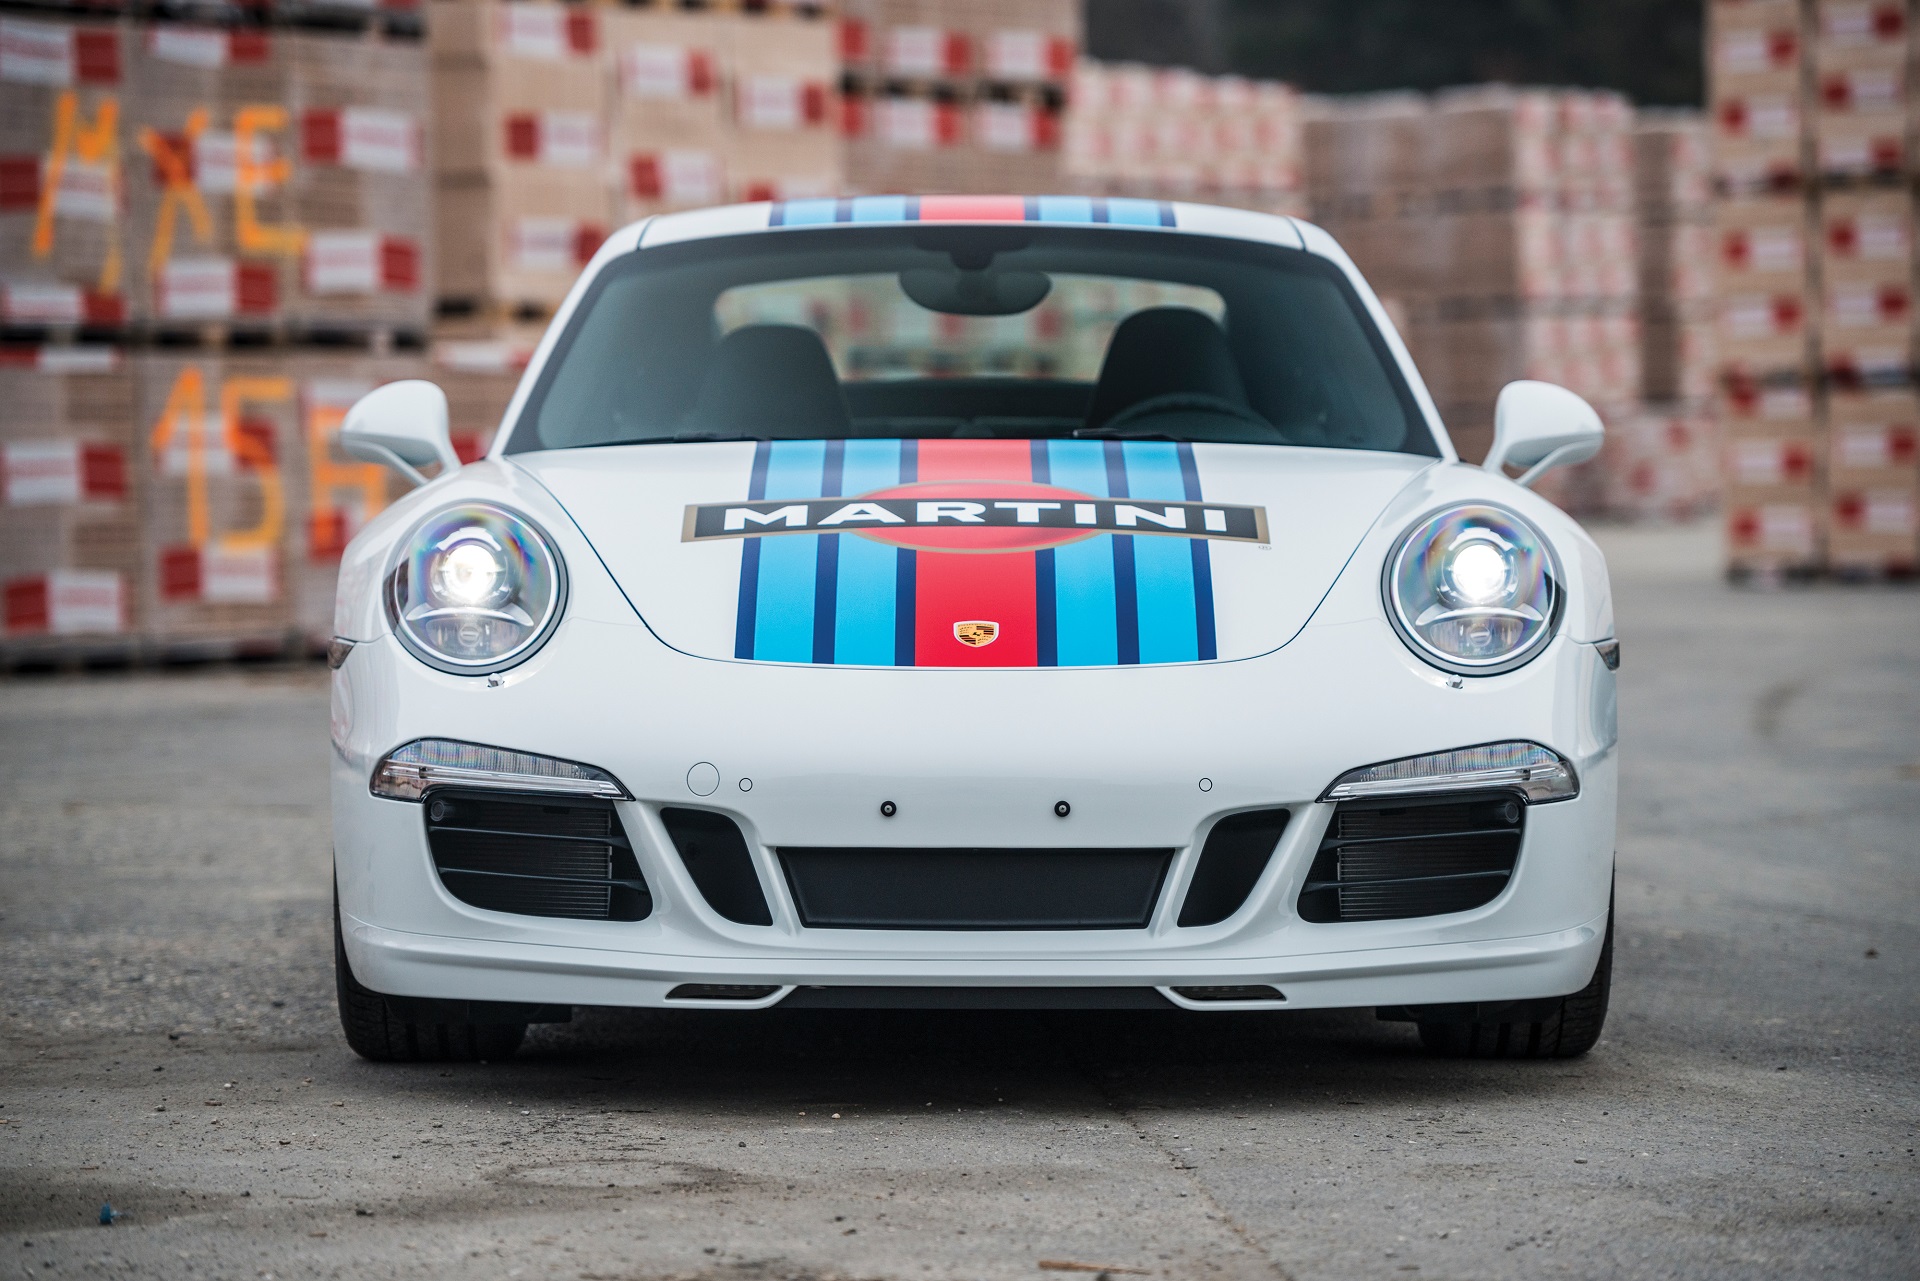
(1015, 602)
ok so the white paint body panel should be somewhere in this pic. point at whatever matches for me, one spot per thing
(1319, 684)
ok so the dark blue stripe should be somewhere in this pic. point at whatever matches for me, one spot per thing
(843, 212)
(1166, 213)
(744, 618)
(1100, 209)
(826, 593)
(775, 217)
(1046, 603)
(1202, 563)
(913, 209)
(904, 584)
(1126, 593)
(1031, 209)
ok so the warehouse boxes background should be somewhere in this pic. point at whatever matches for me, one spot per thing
(219, 224)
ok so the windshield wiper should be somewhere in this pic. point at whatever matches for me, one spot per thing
(684, 438)
(1122, 433)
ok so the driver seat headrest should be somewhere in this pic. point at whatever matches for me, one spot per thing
(770, 380)
(1162, 351)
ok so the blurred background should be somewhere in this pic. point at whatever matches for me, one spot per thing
(221, 223)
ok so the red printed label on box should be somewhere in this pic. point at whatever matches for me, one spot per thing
(36, 53)
(681, 177)
(916, 123)
(1770, 462)
(362, 138)
(926, 51)
(1867, 448)
(66, 602)
(666, 71)
(1028, 55)
(780, 102)
(545, 33)
(42, 472)
(563, 139)
(552, 244)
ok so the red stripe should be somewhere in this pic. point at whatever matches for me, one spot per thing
(955, 587)
(975, 209)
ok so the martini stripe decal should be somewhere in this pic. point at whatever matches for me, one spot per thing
(1124, 211)
(869, 572)
(1103, 599)
(783, 627)
(974, 585)
(1083, 590)
(1162, 567)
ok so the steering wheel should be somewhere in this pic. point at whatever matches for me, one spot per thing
(1175, 401)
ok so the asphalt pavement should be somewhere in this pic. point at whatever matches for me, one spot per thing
(168, 1041)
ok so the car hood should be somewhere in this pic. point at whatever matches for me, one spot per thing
(973, 553)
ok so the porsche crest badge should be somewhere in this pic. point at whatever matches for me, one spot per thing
(976, 632)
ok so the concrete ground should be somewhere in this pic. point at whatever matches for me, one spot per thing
(168, 1040)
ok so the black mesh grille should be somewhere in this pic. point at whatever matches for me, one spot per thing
(719, 862)
(1237, 851)
(535, 855)
(1392, 859)
(975, 889)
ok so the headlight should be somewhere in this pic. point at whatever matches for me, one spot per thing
(1474, 589)
(476, 589)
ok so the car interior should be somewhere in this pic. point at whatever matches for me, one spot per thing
(1292, 360)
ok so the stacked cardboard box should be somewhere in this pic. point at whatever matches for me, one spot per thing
(555, 122)
(1502, 223)
(358, 189)
(708, 107)
(1815, 224)
(1862, 59)
(965, 96)
(1173, 133)
(173, 176)
(63, 257)
(71, 495)
(1662, 461)
(522, 192)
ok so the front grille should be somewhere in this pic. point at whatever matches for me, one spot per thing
(1390, 859)
(535, 855)
(975, 889)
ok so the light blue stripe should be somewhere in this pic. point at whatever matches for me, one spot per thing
(879, 209)
(789, 563)
(1065, 208)
(1085, 624)
(863, 625)
(1162, 567)
(1129, 212)
(799, 213)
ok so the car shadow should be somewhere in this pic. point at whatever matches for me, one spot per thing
(856, 1061)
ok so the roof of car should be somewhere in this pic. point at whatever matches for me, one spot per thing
(1129, 212)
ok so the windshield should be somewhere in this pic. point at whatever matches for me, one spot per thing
(918, 332)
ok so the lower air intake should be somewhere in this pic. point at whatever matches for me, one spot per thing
(1405, 857)
(975, 889)
(535, 855)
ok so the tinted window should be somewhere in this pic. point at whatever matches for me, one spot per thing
(945, 331)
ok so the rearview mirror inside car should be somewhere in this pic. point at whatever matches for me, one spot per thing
(1539, 426)
(404, 426)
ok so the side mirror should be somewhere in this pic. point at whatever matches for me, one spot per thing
(403, 425)
(1539, 426)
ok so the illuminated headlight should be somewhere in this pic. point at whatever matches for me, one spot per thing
(1474, 589)
(475, 589)
(405, 773)
(1538, 773)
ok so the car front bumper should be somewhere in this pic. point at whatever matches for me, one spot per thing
(805, 757)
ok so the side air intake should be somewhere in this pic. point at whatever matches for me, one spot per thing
(717, 858)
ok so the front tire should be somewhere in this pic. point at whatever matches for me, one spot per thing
(1571, 1031)
(374, 1032)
